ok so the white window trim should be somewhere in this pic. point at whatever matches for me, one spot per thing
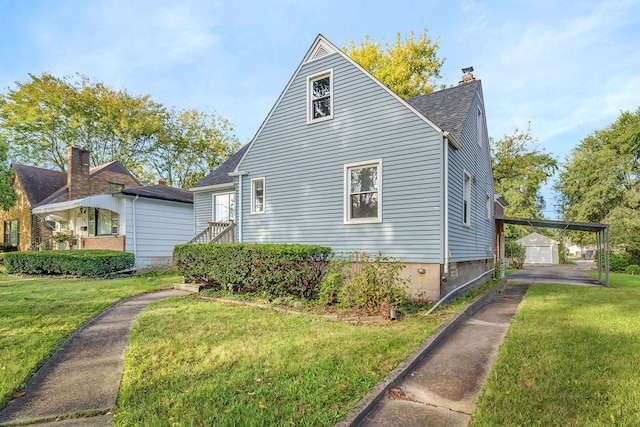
(479, 125)
(213, 204)
(466, 195)
(488, 201)
(347, 196)
(253, 196)
(310, 81)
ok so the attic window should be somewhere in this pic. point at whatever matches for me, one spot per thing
(320, 96)
(114, 188)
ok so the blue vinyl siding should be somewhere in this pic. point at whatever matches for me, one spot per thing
(303, 167)
(470, 243)
(203, 207)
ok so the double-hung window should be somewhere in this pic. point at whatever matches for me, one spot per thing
(320, 96)
(363, 192)
(466, 199)
(12, 232)
(257, 195)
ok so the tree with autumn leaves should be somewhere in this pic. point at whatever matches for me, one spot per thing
(409, 67)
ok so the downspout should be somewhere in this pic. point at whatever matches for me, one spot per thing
(135, 240)
(445, 145)
(239, 209)
(239, 174)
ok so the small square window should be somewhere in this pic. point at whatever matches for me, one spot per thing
(257, 195)
(320, 96)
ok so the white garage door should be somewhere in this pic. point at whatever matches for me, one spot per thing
(538, 255)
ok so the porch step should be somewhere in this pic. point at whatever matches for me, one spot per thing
(189, 287)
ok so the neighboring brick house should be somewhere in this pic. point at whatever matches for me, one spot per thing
(37, 186)
(107, 208)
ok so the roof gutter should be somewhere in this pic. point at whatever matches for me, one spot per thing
(212, 187)
(452, 140)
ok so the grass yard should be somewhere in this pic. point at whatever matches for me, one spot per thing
(37, 314)
(571, 358)
(199, 363)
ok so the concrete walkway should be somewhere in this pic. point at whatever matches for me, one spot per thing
(442, 390)
(83, 375)
(439, 384)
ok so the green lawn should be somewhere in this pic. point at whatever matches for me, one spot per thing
(37, 314)
(194, 362)
(571, 358)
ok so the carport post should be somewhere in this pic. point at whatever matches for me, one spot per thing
(599, 249)
(606, 254)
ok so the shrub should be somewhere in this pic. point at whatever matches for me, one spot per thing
(369, 283)
(618, 262)
(7, 247)
(90, 263)
(276, 270)
(515, 253)
(633, 269)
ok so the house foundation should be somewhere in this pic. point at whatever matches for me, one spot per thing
(463, 272)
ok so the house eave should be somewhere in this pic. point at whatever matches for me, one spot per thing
(452, 140)
(212, 187)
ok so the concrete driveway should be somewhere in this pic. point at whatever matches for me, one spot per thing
(561, 274)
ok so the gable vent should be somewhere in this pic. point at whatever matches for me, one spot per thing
(322, 51)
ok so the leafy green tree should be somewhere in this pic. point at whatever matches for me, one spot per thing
(519, 171)
(192, 144)
(41, 118)
(8, 197)
(408, 67)
(600, 180)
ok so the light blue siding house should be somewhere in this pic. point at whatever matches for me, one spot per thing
(342, 161)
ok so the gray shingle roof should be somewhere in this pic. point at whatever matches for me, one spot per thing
(62, 190)
(221, 174)
(38, 183)
(160, 192)
(448, 108)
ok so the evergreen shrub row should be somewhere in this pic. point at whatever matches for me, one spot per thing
(7, 247)
(276, 270)
(89, 263)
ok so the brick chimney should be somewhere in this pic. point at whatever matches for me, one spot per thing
(160, 182)
(78, 173)
(467, 77)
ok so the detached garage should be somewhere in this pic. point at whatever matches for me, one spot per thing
(539, 249)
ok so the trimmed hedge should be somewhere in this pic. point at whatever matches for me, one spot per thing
(77, 263)
(274, 269)
(7, 247)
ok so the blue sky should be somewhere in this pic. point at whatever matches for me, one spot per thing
(568, 67)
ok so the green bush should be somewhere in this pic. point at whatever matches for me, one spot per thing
(633, 269)
(276, 270)
(515, 253)
(89, 263)
(618, 262)
(364, 282)
(7, 247)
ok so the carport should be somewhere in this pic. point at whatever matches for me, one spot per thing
(601, 230)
